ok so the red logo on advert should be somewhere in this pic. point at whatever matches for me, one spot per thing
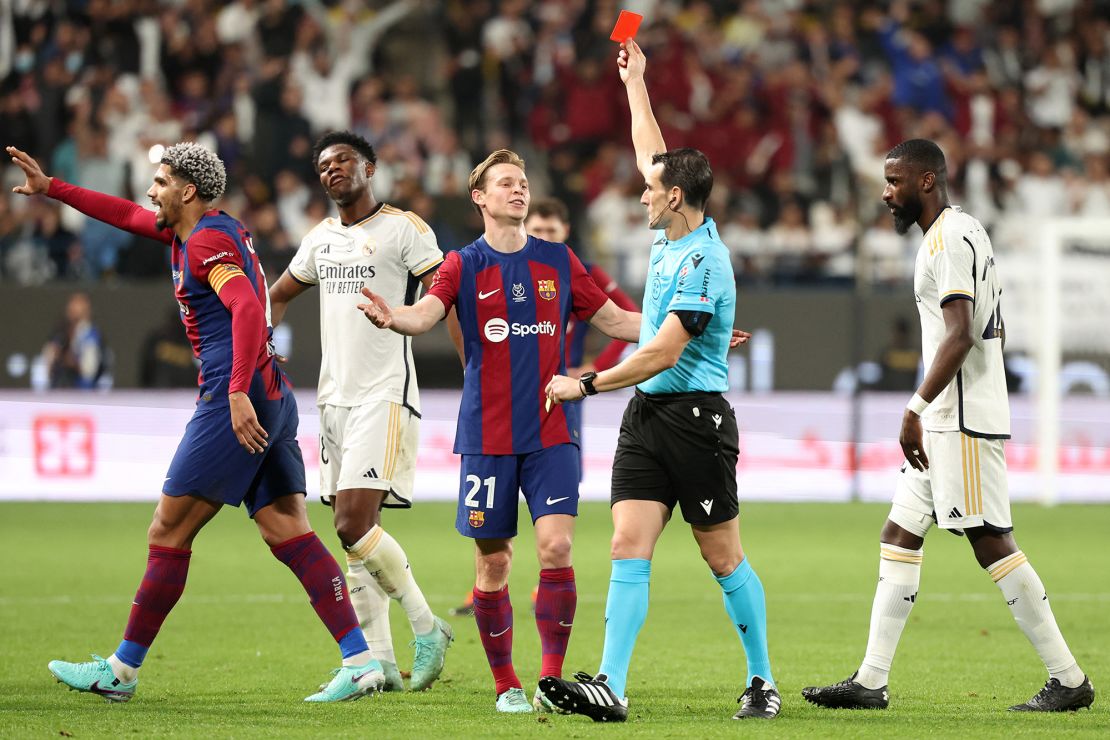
(63, 446)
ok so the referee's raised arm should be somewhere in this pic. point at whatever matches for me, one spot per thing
(646, 136)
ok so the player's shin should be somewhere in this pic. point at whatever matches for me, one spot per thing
(387, 562)
(321, 578)
(371, 606)
(161, 587)
(625, 613)
(746, 606)
(493, 614)
(556, 600)
(1028, 601)
(899, 578)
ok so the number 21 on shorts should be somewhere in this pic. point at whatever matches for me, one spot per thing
(473, 485)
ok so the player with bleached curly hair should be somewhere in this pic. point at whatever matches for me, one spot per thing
(240, 447)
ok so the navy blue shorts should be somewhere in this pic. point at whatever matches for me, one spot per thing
(210, 462)
(488, 486)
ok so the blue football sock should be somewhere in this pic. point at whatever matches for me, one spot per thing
(625, 611)
(747, 608)
(131, 653)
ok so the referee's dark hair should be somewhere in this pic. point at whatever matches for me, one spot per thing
(351, 139)
(924, 156)
(689, 170)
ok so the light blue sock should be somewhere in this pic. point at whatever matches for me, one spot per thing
(625, 611)
(747, 608)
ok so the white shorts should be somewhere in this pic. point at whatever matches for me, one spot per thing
(369, 446)
(965, 485)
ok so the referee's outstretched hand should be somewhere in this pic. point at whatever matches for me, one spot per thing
(376, 309)
(631, 61)
(739, 336)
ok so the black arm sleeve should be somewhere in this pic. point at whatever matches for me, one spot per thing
(694, 322)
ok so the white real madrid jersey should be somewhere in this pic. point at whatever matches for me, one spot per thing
(956, 262)
(388, 252)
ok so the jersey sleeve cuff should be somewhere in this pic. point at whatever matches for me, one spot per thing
(428, 267)
(956, 295)
(302, 280)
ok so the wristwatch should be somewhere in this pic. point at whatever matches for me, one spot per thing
(587, 381)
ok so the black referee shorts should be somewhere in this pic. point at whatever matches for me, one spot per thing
(679, 448)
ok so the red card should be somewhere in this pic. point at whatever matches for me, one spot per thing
(628, 23)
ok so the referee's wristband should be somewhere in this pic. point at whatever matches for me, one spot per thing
(917, 404)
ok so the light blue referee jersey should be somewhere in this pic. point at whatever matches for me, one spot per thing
(691, 274)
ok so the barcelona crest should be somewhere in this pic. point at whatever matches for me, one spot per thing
(477, 518)
(546, 289)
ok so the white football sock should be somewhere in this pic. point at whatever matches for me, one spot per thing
(372, 609)
(1026, 597)
(124, 672)
(386, 561)
(899, 577)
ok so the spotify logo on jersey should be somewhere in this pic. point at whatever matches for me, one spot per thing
(496, 330)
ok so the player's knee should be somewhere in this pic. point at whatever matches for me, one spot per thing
(494, 566)
(350, 529)
(990, 547)
(554, 552)
(164, 533)
(905, 528)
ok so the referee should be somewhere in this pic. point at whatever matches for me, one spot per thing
(678, 439)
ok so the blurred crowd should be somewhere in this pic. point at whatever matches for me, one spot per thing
(794, 101)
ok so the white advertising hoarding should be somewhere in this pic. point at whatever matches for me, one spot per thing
(793, 446)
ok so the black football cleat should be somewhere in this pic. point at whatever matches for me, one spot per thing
(847, 694)
(760, 701)
(1055, 697)
(588, 695)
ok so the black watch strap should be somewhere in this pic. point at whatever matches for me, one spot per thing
(587, 381)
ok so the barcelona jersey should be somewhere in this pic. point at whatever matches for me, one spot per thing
(218, 250)
(513, 310)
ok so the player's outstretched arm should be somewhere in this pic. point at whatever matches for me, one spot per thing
(38, 182)
(616, 322)
(408, 320)
(646, 136)
(123, 214)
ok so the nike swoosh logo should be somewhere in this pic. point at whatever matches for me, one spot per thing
(498, 634)
(359, 677)
(552, 501)
(564, 624)
(482, 295)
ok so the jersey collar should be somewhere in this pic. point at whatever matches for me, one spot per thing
(699, 232)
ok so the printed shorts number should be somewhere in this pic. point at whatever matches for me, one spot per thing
(474, 483)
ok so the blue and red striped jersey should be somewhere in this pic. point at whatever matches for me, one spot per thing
(513, 310)
(218, 250)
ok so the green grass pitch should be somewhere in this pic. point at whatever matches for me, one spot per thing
(243, 648)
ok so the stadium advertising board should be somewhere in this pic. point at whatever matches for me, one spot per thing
(793, 446)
